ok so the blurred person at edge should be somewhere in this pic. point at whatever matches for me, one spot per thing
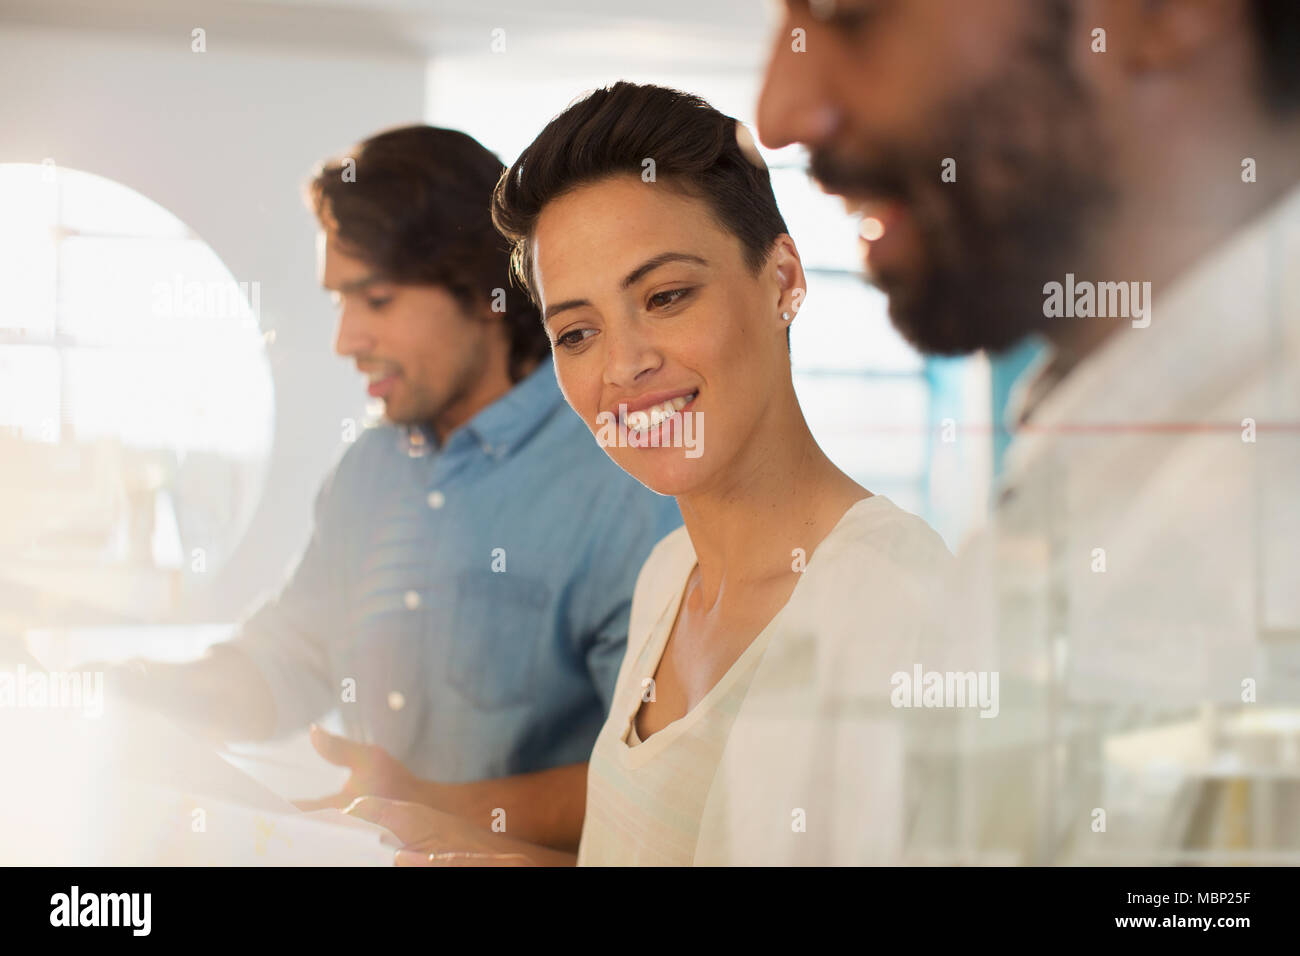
(446, 581)
(1138, 584)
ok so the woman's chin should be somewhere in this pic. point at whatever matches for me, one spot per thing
(663, 475)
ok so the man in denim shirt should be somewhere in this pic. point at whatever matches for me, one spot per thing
(464, 597)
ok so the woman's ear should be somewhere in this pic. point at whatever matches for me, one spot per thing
(791, 284)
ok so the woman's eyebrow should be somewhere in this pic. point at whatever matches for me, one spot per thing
(358, 285)
(662, 259)
(551, 311)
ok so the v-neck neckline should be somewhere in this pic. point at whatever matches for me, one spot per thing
(645, 749)
(664, 736)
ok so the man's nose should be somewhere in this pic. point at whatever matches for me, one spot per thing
(793, 106)
(353, 335)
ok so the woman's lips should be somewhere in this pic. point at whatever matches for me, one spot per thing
(644, 419)
(668, 419)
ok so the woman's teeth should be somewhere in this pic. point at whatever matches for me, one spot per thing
(656, 415)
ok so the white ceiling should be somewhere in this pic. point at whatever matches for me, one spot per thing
(701, 33)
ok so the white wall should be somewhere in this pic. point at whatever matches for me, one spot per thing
(530, 92)
(224, 139)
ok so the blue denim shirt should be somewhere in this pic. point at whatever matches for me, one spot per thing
(465, 607)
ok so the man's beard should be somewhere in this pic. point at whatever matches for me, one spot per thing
(429, 404)
(1030, 185)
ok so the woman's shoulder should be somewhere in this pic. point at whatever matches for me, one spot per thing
(874, 591)
(877, 533)
(661, 577)
(673, 556)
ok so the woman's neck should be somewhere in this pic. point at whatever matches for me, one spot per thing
(781, 493)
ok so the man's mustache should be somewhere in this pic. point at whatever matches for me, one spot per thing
(845, 176)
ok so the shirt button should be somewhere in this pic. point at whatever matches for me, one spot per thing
(416, 446)
(412, 600)
(436, 499)
(396, 700)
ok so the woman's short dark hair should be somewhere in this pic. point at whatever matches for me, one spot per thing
(413, 203)
(618, 129)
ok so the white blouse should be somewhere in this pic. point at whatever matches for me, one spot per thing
(715, 786)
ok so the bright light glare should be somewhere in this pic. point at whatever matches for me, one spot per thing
(871, 229)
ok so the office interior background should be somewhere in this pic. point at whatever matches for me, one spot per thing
(161, 450)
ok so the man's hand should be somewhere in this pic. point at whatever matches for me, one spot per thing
(197, 693)
(435, 838)
(375, 772)
(545, 807)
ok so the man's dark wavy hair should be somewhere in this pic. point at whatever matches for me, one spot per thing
(415, 206)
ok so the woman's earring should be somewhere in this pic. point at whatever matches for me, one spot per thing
(785, 316)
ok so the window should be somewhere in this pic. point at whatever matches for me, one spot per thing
(899, 423)
(863, 389)
(136, 403)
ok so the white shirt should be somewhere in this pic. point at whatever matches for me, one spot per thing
(794, 756)
(645, 798)
(1139, 586)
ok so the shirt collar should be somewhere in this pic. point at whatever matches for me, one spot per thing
(501, 426)
(1037, 379)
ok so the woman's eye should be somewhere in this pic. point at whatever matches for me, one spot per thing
(378, 304)
(572, 338)
(661, 300)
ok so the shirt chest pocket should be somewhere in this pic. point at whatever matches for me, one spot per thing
(497, 630)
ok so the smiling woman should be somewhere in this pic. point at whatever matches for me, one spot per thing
(713, 227)
(672, 296)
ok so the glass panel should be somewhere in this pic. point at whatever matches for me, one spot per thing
(908, 495)
(869, 427)
(826, 235)
(27, 251)
(136, 400)
(844, 325)
(98, 206)
(160, 293)
(29, 392)
(148, 399)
